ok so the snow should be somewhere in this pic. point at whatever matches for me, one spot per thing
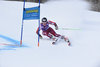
(85, 48)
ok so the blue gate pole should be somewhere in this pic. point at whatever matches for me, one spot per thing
(39, 25)
(22, 25)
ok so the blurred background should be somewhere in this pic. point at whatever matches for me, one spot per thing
(42, 1)
(95, 4)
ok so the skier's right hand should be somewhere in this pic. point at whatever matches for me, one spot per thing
(40, 36)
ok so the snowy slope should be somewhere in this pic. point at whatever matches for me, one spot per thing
(85, 48)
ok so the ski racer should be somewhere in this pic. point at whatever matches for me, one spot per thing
(47, 30)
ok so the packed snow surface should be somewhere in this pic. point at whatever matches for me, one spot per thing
(74, 14)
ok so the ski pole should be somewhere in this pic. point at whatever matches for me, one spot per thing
(69, 28)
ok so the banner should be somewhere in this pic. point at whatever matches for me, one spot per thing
(31, 13)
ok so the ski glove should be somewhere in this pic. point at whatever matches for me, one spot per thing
(40, 36)
(56, 27)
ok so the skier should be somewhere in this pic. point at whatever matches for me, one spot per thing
(48, 31)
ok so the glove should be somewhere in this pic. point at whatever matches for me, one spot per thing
(56, 27)
(40, 36)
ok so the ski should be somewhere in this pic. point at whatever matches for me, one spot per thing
(67, 40)
(69, 43)
(54, 42)
(61, 38)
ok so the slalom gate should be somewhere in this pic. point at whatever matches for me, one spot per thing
(30, 14)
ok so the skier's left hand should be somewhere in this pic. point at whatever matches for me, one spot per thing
(56, 27)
